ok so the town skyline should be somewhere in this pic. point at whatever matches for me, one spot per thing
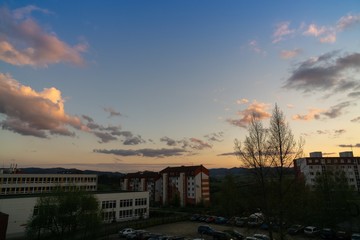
(141, 85)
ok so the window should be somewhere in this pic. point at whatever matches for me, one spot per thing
(140, 201)
(126, 203)
(108, 204)
(125, 213)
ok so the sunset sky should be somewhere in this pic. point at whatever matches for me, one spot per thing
(141, 85)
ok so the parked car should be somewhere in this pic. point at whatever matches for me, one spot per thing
(217, 235)
(220, 220)
(295, 229)
(311, 231)
(195, 217)
(261, 236)
(241, 222)
(204, 229)
(355, 236)
(342, 235)
(255, 220)
(251, 238)
(232, 220)
(210, 219)
(138, 235)
(235, 234)
(327, 233)
(124, 232)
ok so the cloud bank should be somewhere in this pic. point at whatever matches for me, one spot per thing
(33, 113)
(159, 153)
(24, 42)
(328, 72)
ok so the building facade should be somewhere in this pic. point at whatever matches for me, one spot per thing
(316, 164)
(142, 181)
(15, 184)
(190, 185)
(19, 194)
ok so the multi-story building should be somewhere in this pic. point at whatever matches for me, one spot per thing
(19, 194)
(142, 181)
(15, 184)
(189, 184)
(316, 164)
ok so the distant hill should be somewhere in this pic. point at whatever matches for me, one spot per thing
(214, 172)
(59, 170)
(222, 172)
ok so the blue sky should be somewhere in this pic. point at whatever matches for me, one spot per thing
(135, 85)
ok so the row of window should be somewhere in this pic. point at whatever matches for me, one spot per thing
(140, 201)
(323, 161)
(108, 204)
(31, 190)
(21, 180)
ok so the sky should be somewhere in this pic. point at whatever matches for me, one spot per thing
(141, 85)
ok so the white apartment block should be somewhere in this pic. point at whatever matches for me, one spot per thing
(310, 167)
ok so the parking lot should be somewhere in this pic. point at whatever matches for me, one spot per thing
(188, 229)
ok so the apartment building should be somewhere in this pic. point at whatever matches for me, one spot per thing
(316, 164)
(143, 181)
(190, 184)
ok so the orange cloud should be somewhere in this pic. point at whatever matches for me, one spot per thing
(24, 42)
(34, 113)
(312, 114)
(287, 54)
(256, 108)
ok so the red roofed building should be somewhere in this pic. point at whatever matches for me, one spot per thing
(189, 185)
(143, 181)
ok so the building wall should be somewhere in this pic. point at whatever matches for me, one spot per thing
(123, 205)
(315, 165)
(14, 184)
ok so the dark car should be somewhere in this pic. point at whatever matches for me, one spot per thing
(210, 219)
(217, 235)
(342, 235)
(220, 220)
(204, 229)
(327, 233)
(311, 231)
(138, 235)
(295, 229)
(195, 217)
(241, 222)
(235, 234)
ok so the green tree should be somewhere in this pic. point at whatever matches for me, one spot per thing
(64, 214)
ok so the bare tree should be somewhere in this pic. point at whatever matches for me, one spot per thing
(254, 154)
(264, 148)
(284, 149)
